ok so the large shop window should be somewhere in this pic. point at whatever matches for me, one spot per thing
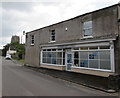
(53, 56)
(95, 58)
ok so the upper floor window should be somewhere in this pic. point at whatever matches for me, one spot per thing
(52, 35)
(32, 39)
(87, 28)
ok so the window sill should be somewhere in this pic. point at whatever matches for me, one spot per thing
(31, 44)
(51, 64)
(92, 69)
(52, 42)
(86, 37)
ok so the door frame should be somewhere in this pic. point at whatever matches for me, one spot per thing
(66, 59)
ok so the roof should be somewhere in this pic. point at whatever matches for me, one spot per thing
(75, 17)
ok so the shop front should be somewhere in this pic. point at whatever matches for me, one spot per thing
(91, 58)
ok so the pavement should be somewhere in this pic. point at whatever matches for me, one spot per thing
(18, 80)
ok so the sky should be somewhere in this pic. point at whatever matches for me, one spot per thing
(17, 16)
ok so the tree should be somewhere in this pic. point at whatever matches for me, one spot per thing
(20, 48)
(5, 49)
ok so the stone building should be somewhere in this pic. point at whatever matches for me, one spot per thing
(87, 44)
(15, 38)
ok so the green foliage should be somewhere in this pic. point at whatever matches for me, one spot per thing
(20, 48)
(15, 58)
(14, 43)
(22, 61)
(5, 49)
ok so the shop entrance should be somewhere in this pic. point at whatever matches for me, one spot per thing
(68, 61)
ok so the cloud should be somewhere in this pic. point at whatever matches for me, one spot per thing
(12, 20)
(6, 39)
(26, 15)
(19, 6)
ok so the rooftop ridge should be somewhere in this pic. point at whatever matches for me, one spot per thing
(74, 17)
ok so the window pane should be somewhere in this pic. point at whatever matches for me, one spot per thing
(59, 49)
(53, 54)
(48, 49)
(49, 54)
(93, 64)
(44, 54)
(88, 24)
(53, 57)
(84, 48)
(76, 59)
(49, 60)
(32, 41)
(32, 36)
(59, 61)
(53, 32)
(53, 38)
(104, 47)
(83, 55)
(76, 55)
(69, 58)
(83, 63)
(92, 48)
(76, 62)
(44, 60)
(59, 55)
(88, 32)
(93, 55)
(52, 35)
(53, 49)
(54, 60)
(105, 64)
(75, 48)
(87, 28)
(105, 55)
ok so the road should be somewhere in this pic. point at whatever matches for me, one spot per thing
(18, 80)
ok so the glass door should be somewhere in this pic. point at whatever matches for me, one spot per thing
(68, 61)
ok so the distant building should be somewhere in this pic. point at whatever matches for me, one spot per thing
(11, 50)
(15, 39)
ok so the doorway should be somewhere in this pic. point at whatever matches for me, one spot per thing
(68, 61)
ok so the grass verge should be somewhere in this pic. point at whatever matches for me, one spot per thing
(19, 60)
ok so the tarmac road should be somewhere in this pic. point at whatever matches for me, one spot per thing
(18, 80)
